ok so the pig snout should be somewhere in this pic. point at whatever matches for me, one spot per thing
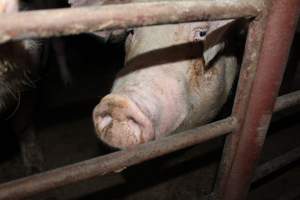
(120, 123)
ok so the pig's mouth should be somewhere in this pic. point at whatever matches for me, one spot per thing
(120, 123)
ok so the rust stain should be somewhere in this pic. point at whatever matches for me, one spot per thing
(196, 71)
(119, 104)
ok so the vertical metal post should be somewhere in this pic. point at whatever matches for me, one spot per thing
(246, 78)
(269, 39)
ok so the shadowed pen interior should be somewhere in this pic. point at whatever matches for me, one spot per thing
(185, 47)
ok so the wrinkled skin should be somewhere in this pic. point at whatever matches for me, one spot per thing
(175, 77)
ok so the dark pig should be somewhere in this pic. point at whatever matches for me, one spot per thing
(19, 62)
(19, 67)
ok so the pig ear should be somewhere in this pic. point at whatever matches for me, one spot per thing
(9, 6)
(215, 39)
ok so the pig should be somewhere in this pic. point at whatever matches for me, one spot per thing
(18, 64)
(19, 68)
(23, 62)
(175, 77)
(17, 71)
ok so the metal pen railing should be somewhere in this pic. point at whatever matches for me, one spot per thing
(259, 82)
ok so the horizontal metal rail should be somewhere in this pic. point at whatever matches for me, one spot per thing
(46, 23)
(282, 102)
(113, 162)
(287, 101)
(276, 164)
(31, 185)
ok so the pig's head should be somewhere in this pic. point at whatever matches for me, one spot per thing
(150, 97)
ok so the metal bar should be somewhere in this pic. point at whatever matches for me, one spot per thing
(57, 22)
(113, 162)
(282, 102)
(246, 79)
(271, 65)
(288, 100)
(99, 166)
(276, 164)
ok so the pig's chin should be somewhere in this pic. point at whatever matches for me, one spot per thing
(120, 123)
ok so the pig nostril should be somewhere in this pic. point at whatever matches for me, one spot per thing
(105, 121)
(120, 123)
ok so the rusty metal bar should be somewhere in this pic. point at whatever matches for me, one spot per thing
(282, 102)
(276, 164)
(113, 162)
(246, 79)
(286, 101)
(271, 65)
(57, 22)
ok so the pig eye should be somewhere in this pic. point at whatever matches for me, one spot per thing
(199, 34)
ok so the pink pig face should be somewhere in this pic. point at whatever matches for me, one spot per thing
(174, 78)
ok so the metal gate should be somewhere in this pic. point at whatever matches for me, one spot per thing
(269, 38)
